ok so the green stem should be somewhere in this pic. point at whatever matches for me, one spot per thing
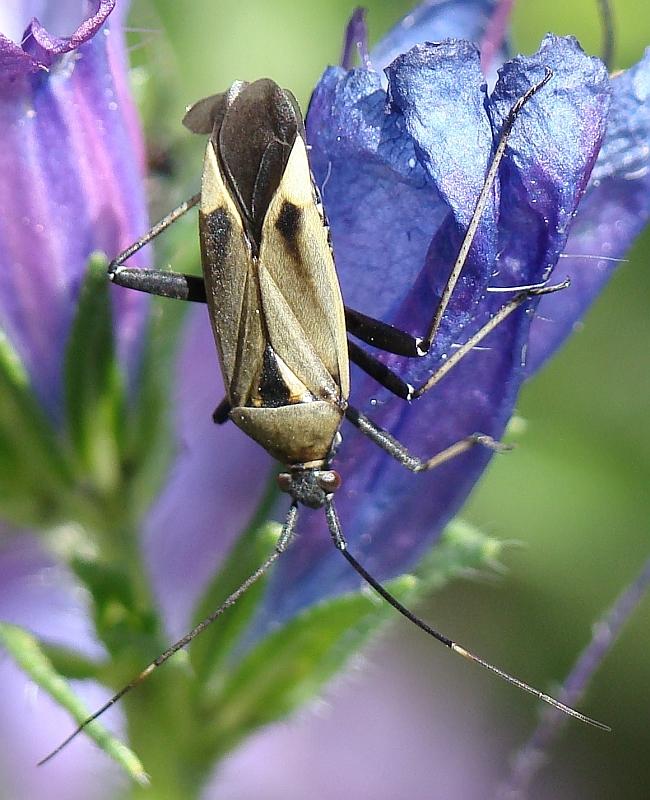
(159, 712)
(161, 730)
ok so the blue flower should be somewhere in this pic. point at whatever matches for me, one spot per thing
(400, 170)
(400, 157)
(71, 182)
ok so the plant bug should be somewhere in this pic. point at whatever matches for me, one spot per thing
(281, 328)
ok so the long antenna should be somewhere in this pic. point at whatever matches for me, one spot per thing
(341, 544)
(281, 545)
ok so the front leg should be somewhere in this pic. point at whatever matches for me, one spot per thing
(159, 282)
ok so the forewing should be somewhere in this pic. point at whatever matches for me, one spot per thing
(271, 285)
(231, 284)
(296, 253)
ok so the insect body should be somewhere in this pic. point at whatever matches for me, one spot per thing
(265, 249)
(279, 322)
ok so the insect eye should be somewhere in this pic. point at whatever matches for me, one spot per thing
(329, 481)
(284, 481)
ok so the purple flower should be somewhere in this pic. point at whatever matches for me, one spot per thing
(71, 171)
(72, 166)
(400, 172)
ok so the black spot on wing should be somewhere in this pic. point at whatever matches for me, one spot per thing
(216, 236)
(288, 224)
(273, 391)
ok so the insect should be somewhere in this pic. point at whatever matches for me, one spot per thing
(280, 325)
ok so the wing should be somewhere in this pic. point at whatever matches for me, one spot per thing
(299, 286)
(232, 291)
(272, 289)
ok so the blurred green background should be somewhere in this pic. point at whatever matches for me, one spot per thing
(574, 493)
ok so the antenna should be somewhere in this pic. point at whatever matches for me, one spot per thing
(341, 544)
(281, 545)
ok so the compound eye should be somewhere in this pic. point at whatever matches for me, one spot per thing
(329, 481)
(284, 482)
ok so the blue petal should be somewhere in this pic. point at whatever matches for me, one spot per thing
(553, 148)
(37, 49)
(439, 93)
(614, 210)
(356, 40)
(45, 47)
(382, 209)
(388, 514)
(72, 166)
(434, 21)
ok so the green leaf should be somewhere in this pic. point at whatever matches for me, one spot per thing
(71, 664)
(462, 550)
(209, 651)
(150, 444)
(290, 665)
(93, 383)
(34, 472)
(121, 618)
(28, 654)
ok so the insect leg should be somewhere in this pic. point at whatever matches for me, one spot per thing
(284, 540)
(158, 282)
(221, 413)
(391, 381)
(393, 340)
(399, 452)
(502, 314)
(162, 283)
(339, 540)
(382, 335)
(175, 285)
(379, 371)
(608, 34)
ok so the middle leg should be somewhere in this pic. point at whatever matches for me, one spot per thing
(391, 381)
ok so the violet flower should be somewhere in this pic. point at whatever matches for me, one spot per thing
(71, 163)
(71, 172)
(397, 197)
(396, 200)
(400, 172)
